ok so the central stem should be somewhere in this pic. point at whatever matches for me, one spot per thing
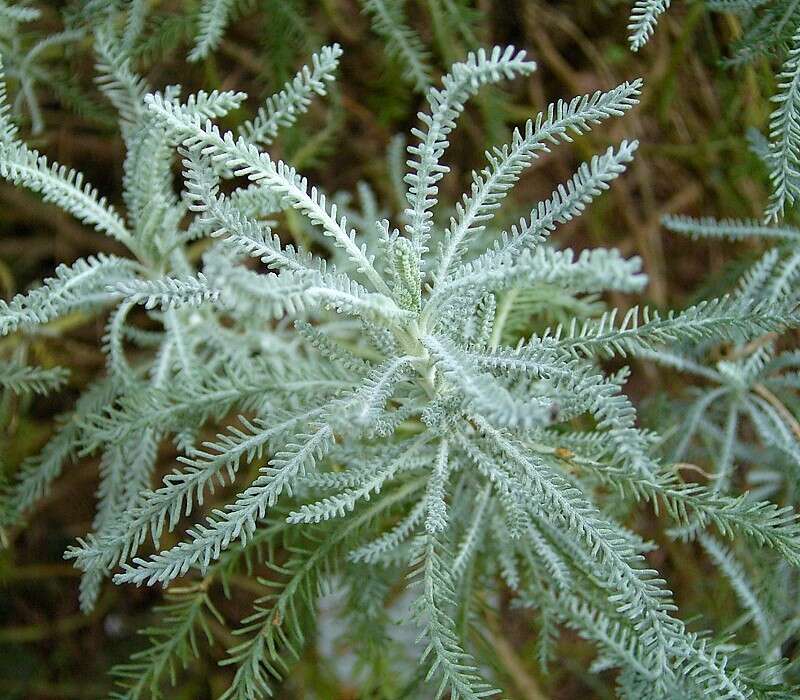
(410, 340)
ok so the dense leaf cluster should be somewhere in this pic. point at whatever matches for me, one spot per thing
(412, 415)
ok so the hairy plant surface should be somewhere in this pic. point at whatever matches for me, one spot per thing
(422, 415)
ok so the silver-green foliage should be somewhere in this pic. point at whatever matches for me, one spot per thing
(402, 42)
(750, 392)
(398, 426)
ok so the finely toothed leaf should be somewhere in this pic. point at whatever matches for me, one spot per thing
(567, 202)
(19, 13)
(738, 579)
(733, 229)
(24, 379)
(401, 41)
(83, 284)
(592, 271)
(214, 461)
(274, 631)
(483, 393)
(167, 292)
(436, 517)
(446, 659)
(784, 132)
(490, 187)
(172, 643)
(62, 186)
(238, 520)
(213, 18)
(341, 503)
(8, 130)
(36, 474)
(642, 24)
(121, 85)
(244, 159)
(446, 105)
(282, 109)
(726, 317)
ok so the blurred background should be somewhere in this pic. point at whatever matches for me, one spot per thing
(691, 124)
